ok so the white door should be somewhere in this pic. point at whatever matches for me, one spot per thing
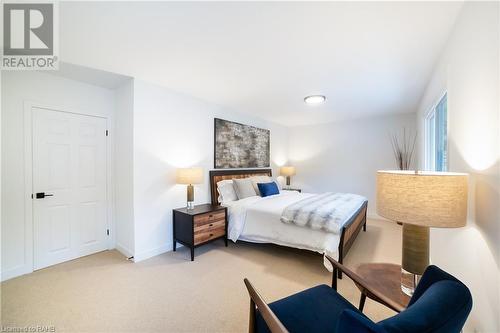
(69, 186)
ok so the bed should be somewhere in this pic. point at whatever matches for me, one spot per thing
(257, 219)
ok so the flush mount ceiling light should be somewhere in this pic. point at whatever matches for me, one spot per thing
(314, 99)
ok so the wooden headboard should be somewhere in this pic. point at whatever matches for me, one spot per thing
(218, 175)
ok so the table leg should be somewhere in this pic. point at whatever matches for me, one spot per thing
(192, 254)
(362, 302)
(175, 245)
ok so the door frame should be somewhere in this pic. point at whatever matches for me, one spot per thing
(28, 178)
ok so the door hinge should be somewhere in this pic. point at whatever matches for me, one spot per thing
(107, 232)
(107, 133)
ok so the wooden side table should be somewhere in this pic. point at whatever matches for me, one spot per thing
(293, 189)
(385, 278)
(198, 226)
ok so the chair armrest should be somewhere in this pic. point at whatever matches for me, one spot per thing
(273, 323)
(365, 288)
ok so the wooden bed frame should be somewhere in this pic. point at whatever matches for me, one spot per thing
(350, 230)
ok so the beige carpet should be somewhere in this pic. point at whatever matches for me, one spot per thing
(169, 293)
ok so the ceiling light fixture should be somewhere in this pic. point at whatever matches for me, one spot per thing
(314, 99)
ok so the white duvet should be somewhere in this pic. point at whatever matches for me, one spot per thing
(256, 219)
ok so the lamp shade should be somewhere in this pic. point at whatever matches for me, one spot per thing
(287, 171)
(430, 199)
(189, 176)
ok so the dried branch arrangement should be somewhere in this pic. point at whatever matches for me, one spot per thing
(404, 148)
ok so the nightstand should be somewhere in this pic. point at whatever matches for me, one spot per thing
(200, 225)
(294, 189)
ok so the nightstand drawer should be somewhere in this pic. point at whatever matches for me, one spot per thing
(208, 218)
(208, 234)
(210, 226)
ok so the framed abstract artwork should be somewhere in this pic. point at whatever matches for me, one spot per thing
(240, 146)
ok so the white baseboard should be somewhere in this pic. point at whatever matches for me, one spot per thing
(153, 252)
(123, 250)
(14, 272)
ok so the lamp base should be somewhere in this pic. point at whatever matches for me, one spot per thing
(415, 256)
(409, 282)
(190, 196)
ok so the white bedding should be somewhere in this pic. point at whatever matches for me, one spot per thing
(257, 220)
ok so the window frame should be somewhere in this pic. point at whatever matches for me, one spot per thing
(430, 135)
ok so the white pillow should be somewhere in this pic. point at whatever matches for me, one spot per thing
(259, 179)
(244, 188)
(226, 191)
(280, 181)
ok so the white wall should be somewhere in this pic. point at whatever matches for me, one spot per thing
(170, 131)
(18, 87)
(124, 168)
(469, 71)
(345, 156)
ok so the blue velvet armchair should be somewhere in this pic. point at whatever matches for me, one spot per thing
(440, 304)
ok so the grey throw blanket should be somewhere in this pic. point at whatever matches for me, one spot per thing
(327, 212)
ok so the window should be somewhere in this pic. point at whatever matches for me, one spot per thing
(436, 137)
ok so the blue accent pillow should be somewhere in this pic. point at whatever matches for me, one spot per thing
(267, 189)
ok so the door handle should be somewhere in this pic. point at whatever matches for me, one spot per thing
(41, 195)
